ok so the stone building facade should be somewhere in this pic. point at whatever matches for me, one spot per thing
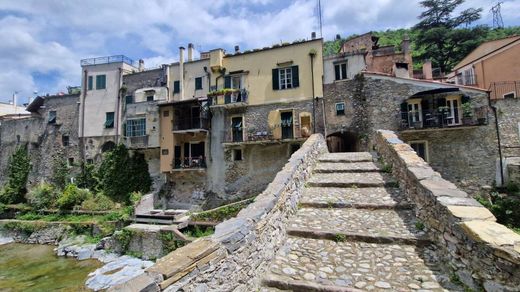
(465, 153)
(51, 132)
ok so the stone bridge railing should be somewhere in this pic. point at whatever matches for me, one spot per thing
(235, 257)
(479, 251)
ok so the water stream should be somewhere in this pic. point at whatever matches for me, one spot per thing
(32, 267)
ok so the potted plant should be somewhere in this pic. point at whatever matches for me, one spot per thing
(467, 113)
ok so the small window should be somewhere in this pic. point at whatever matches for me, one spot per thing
(421, 148)
(90, 85)
(285, 75)
(237, 154)
(136, 128)
(52, 117)
(109, 121)
(149, 98)
(509, 95)
(198, 83)
(129, 99)
(65, 140)
(165, 152)
(90, 161)
(101, 81)
(340, 71)
(176, 86)
(166, 113)
(71, 162)
(340, 109)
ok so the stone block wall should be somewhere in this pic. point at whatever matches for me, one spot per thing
(508, 112)
(481, 252)
(237, 255)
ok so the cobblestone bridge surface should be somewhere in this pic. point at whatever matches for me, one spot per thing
(355, 230)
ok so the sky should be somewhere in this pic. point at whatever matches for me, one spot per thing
(43, 41)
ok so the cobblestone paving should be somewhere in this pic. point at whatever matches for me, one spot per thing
(371, 235)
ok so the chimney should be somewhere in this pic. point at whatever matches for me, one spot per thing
(141, 65)
(237, 49)
(427, 70)
(405, 44)
(313, 35)
(190, 52)
(181, 73)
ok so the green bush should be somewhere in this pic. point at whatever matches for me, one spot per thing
(504, 208)
(87, 179)
(98, 202)
(17, 174)
(43, 196)
(72, 196)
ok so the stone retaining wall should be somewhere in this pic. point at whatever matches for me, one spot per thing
(480, 252)
(237, 255)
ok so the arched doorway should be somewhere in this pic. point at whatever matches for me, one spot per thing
(343, 142)
(107, 146)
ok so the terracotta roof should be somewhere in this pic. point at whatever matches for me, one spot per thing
(485, 49)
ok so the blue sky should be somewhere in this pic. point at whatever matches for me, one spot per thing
(42, 41)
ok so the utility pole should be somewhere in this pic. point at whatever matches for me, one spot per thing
(497, 16)
(319, 19)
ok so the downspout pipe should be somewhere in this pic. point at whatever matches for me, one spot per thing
(82, 105)
(118, 105)
(312, 54)
(498, 140)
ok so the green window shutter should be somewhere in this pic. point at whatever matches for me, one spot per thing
(404, 111)
(198, 83)
(109, 122)
(176, 86)
(295, 77)
(90, 85)
(101, 81)
(336, 71)
(276, 81)
(227, 82)
(129, 99)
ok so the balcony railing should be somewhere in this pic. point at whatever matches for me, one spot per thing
(108, 60)
(443, 118)
(505, 89)
(137, 142)
(229, 97)
(467, 79)
(189, 162)
(192, 123)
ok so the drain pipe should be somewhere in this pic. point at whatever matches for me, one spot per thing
(312, 53)
(498, 140)
(82, 107)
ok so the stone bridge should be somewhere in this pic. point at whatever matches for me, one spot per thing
(349, 222)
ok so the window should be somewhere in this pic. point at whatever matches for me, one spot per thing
(136, 127)
(469, 77)
(340, 71)
(129, 99)
(101, 81)
(166, 113)
(454, 111)
(109, 120)
(287, 125)
(71, 162)
(198, 83)
(52, 117)
(285, 78)
(176, 86)
(414, 113)
(90, 161)
(421, 148)
(509, 95)
(149, 98)
(237, 129)
(90, 85)
(165, 152)
(340, 109)
(237, 154)
(65, 140)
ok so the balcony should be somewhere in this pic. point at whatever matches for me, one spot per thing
(190, 124)
(229, 98)
(108, 60)
(443, 118)
(189, 163)
(137, 142)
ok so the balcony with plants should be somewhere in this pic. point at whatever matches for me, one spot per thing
(229, 97)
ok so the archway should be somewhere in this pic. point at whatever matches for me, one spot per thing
(107, 146)
(343, 142)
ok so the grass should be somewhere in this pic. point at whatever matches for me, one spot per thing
(197, 231)
(221, 213)
(419, 225)
(340, 237)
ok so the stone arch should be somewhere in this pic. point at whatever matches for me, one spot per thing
(107, 146)
(343, 141)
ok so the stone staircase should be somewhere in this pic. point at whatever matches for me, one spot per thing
(355, 230)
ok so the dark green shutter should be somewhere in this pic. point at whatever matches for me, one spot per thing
(90, 82)
(404, 112)
(276, 81)
(465, 99)
(176, 86)
(198, 83)
(336, 69)
(227, 82)
(295, 77)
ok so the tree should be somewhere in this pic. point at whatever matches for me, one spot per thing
(17, 175)
(59, 172)
(440, 36)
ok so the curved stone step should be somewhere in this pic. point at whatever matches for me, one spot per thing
(348, 180)
(346, 157)
(375, 198)
(328, 167)
(344, 266)
(380, 224)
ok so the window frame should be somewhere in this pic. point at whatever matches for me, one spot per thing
(107, 114)
(135, 126)
(341, 65)
(426, 148)
(101, 85)
(53, 116)
(148, 98)
(65, 140)
(338, 111)
(512, 92)
(286, 81)
(90, 82)
(198, 83)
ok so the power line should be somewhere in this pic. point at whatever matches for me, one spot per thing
(497, 16)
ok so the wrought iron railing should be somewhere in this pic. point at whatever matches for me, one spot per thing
(108, 60)
(443, 118)
(137, 142)
(189, 162)
(224, 98)
(190, 123)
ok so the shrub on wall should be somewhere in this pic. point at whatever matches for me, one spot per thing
(72, 196)
(17, 174)
(88, 179)
(43, 196)
(98, 202)
(60, 172)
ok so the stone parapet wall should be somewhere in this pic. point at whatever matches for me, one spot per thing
(480, 252)
(238, 254)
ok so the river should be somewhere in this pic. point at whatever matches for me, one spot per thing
(33, 267)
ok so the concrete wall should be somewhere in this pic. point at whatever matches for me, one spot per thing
(192, 70)
(355, 64)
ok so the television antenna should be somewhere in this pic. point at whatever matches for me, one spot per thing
(320, 25)
(498, 22)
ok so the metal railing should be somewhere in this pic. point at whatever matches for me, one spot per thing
(467, 79)
(442, 118)
(137, 141)
(108, 60)
(505, 89)
(240, 96)
(189, 162)
(190, 123)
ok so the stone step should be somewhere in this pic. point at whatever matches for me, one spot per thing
(346, 157)
(380, 225)
(372, 198)
(321, 265)
(352, 180)
(328, 167)
(160, 221)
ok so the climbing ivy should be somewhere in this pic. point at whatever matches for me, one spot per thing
(60, 172)
(17, 174)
